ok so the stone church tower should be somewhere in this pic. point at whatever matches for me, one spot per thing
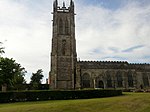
(63, 55)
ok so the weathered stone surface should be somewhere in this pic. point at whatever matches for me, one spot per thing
(131, 76)
(63, 56)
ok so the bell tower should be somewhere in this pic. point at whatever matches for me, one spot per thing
(63, 54)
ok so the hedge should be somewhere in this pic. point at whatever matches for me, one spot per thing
(7, 97)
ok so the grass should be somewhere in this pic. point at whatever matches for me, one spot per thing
(137, 102)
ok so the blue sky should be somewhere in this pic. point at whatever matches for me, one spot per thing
(105, 30)
(111, 4)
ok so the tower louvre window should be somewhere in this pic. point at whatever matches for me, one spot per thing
(66, 27)
(60, 26)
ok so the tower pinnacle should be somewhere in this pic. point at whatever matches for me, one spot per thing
(55, 5)
(63, 4)
(71, 6)
(56, 2)
(71, 3)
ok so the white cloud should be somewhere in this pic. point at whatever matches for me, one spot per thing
(101, 28)
(27, 33)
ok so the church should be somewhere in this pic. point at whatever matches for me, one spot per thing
(68, 73)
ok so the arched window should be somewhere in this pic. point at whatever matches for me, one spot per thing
(66, 27)
(119, 79)
(86, 80)
(109, 80)
(130, 79)
(60, 26)
(63, 47)
(145, 80)
(100, 84)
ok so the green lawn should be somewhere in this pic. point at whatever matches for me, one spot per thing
(130, 102)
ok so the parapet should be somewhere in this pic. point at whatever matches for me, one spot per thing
(140, 64)
(113, 65)
(107, 62)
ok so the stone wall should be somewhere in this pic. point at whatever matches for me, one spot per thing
(112, 74)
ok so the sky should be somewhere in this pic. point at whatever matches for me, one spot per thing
(113, 30)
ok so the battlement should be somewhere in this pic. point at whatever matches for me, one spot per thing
(63, 8)
(140, 64)
(114, 62)
(107, 62)
(102, 64)
(113, 65)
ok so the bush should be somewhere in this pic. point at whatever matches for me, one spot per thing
(6, 97)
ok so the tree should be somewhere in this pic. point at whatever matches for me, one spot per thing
(36, 79)
(1, 48)
(11, 73)
(19, 81)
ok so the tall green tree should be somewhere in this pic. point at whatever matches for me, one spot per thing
(11, 73)
(1, 48)
(36, 79)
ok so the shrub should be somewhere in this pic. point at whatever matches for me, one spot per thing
(6, 97)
